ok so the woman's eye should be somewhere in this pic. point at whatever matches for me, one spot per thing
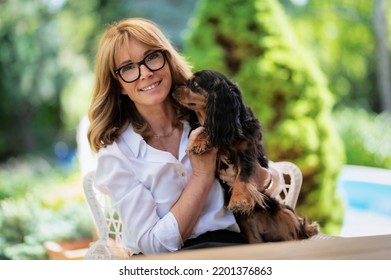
(128, 67)
(152, 56)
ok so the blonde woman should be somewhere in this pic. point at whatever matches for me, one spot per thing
(167, 199)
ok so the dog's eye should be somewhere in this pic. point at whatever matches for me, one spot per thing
(191, 104)
(193, 85)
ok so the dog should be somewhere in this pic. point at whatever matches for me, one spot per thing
(232, 127)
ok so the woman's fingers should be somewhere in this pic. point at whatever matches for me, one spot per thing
(228, 175)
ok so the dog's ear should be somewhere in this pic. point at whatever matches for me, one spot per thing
(222, 122)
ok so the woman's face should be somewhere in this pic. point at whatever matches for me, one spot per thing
(152, 87)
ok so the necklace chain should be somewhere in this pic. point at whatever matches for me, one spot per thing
(158, 137)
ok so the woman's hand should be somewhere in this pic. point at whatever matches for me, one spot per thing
(202, 164)
(262, 178)
(228, 175)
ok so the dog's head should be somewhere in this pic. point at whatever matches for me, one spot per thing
(218, 104)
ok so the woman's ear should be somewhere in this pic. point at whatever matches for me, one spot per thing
(223, 115)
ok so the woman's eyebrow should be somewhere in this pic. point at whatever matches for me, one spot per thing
(147, 52)
(124, 63)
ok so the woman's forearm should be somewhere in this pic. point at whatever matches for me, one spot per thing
(188, 207)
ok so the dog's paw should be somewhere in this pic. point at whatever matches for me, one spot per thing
(244, 197)
(241, 204)
(200, 145)
(313, 229)
(198, 150)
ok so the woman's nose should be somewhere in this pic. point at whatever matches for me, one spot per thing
(145, 72)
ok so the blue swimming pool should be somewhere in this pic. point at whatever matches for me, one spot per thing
(368, 196)
(366, 193)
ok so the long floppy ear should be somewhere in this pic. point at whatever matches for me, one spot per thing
(222, 122)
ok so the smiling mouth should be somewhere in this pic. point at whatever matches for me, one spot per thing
(150, 87)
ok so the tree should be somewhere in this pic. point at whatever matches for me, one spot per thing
(350, 40)
(252, 42)
(31, 78)
(383, 59)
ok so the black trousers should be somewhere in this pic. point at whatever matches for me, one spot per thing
(218, 238)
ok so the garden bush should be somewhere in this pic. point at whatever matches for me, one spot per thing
(366, 135)
(38, 203)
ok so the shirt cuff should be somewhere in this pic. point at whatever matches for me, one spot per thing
(168, 233)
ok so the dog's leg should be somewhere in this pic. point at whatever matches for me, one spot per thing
(245, 194)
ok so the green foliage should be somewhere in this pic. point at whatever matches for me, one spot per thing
(25, 225)
(341, 37)
(31, 77)
(15, 175)
(35, 209)
(366, 137)
(253, 44)
(47, 51)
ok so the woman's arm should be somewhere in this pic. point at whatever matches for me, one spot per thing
(189, 205)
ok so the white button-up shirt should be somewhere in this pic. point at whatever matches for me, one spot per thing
(144, 183)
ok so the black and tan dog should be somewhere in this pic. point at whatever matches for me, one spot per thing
(232, 127)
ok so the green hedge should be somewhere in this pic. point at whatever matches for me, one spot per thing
(366, 135)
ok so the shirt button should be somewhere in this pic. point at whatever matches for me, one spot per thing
(183, 173)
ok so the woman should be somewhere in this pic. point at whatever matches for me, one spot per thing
(167, 199)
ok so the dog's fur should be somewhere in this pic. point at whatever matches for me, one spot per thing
(232, 127)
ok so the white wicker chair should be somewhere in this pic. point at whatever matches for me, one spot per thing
(109, 244)
(109, 225)
(290, 180)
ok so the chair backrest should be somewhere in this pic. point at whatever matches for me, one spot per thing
(109, 224)
(290, 183)
(107, 220)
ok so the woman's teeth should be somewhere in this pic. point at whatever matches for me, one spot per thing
(151, 86)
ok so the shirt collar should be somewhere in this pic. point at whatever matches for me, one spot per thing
(138, 146)
(135, 142)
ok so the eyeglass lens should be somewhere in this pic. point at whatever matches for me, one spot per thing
(153, 62)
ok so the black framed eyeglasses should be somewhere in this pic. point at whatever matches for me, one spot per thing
(131, 72)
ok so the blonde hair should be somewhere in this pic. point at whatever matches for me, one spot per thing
(110, 111)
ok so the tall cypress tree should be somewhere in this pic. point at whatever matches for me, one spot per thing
(252, 43)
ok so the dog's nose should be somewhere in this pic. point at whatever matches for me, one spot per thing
(180, 85)
(175, 87)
